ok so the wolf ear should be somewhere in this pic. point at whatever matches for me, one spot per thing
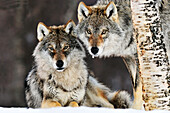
(83, 11)
(111, 11)
(42, 31)
(69, 26)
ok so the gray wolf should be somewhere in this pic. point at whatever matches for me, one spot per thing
(60, 76)
(106, 30)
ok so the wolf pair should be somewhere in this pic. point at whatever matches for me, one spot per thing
(60, 76)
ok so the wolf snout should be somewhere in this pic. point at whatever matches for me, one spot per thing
(94, 50)
(59, 63)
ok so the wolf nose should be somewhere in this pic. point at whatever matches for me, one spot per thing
(59, 63)
(94, 50)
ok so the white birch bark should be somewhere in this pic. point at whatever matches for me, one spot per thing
(153, 59)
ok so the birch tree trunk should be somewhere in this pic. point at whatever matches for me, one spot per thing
(152, 55)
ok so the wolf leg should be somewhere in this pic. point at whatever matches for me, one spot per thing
(73, 104)
(120, 99)
(96, 94)
(49, 103)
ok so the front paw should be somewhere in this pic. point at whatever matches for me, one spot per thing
(73, 104)
(50, 104)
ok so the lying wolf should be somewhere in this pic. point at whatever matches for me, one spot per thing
(60, 76)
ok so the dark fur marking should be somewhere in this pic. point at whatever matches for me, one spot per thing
(48, 97)
(99, 106)
(41, 92)
(43, 47)
(70, 29)
(66, 53)
(41, 83)
(110, 14)
(65, 90)
(100, 12)
(132, 81)
(57, 31)
(67, 104)
(51, 54)
(83, 13)
(136, 82)
(130, 42)
(116, 102)
(27, 87)
(75, 44)
(54, 83)
(78, 47)
(137, 74)
(43, 32)
(127, 20)
(50, 76)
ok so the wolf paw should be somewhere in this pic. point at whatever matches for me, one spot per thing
(73, 104)
(50, 104)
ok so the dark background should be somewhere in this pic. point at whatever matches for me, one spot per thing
(18, 22)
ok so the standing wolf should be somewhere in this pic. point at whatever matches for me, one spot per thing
(60, 76)
(106, 30)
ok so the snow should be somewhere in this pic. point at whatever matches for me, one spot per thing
(76, 110)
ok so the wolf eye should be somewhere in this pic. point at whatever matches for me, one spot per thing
(65, 47)
(104, 32)
(88, 31)
(51, 49)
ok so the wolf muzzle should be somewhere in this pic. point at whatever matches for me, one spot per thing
(94, 50)
(60, 64)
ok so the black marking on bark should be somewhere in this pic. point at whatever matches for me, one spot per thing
(158, 75)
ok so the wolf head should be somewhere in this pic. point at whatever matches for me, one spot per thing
(98, 26)
(56, 44)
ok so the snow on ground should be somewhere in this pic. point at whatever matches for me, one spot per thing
(76, 110)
